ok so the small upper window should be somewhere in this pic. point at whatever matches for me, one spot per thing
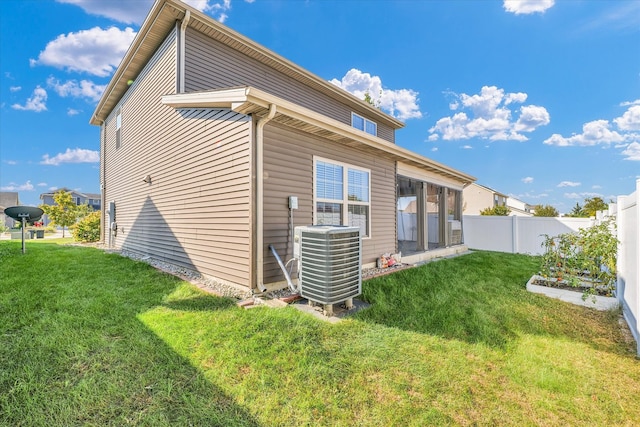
(363, 124)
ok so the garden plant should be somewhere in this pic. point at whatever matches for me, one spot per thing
(585, 259)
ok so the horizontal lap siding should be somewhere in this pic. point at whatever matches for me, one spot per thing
(288, 158)
(212, 65)
(196, 211)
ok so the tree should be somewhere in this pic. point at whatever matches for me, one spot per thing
(546, 210)
(496, 211)
(593, 205)
(576, 212)
(65, 212)
(369, 99)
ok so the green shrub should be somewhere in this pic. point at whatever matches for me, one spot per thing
(88, 228)
(498, 210)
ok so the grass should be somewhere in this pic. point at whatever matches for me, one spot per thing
(89, 338)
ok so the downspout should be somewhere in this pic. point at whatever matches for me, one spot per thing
(103, 157)
(181, 53)
(260, 195)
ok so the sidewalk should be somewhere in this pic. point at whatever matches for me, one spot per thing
(56, 235)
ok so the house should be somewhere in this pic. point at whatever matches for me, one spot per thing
(208, 139)
(7, 199)
(478, 198)
(94, 200)
(519, 208)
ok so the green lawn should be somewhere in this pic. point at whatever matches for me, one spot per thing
(89, 338)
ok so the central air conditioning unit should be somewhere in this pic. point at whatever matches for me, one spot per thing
(330, 263)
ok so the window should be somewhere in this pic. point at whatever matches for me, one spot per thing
(118, 126)
(342, 194)
(363, 124)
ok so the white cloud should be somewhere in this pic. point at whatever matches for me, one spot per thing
(527, 6)
(619, 16)
(600, 132)
(27, 186)
(77, 155)
(15, 88)
(596, 187)
(489, 118)
(11, 162)
(528, 195)
(569, 184)
(630, 120)
(217, 9)
(632, 152)
(434, 149)
(531, 117)
(134, 12)
(53, 188)
(595, 132)
(42, 184)
(73, 112)
(83, 89)
(400, 103)
(95, 51)
(126, 11)
(527, 180)
(37, 101)
(583, 195)
(467, 147)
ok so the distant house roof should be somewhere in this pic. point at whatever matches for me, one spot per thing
(490, 189)
(411, 207)
(8, 199)
(78, 193)
(159, 22)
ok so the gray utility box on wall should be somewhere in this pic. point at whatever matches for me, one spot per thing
(330, 262)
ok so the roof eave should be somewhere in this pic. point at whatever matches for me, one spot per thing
(248, 100)
(175, 10)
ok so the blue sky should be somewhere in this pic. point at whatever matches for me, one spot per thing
(539, 99)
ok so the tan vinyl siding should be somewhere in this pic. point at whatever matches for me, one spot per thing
(211, 65)
(289, 172)
(196, 211)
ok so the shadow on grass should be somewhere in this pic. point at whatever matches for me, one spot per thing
(479, 298)
(73, 351)
(201, 303)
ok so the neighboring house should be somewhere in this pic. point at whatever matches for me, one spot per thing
(478, 197)
(7, 199)
(519, 208)
(206, 134)
(94, 200)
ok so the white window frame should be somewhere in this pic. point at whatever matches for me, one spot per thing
(365, 122)
(345, 202)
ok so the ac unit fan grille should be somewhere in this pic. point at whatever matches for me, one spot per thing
(330, 266)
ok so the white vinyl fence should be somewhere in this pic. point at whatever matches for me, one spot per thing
(514, 234)
(628, 289)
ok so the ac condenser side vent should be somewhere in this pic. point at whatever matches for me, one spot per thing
(330, 263)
